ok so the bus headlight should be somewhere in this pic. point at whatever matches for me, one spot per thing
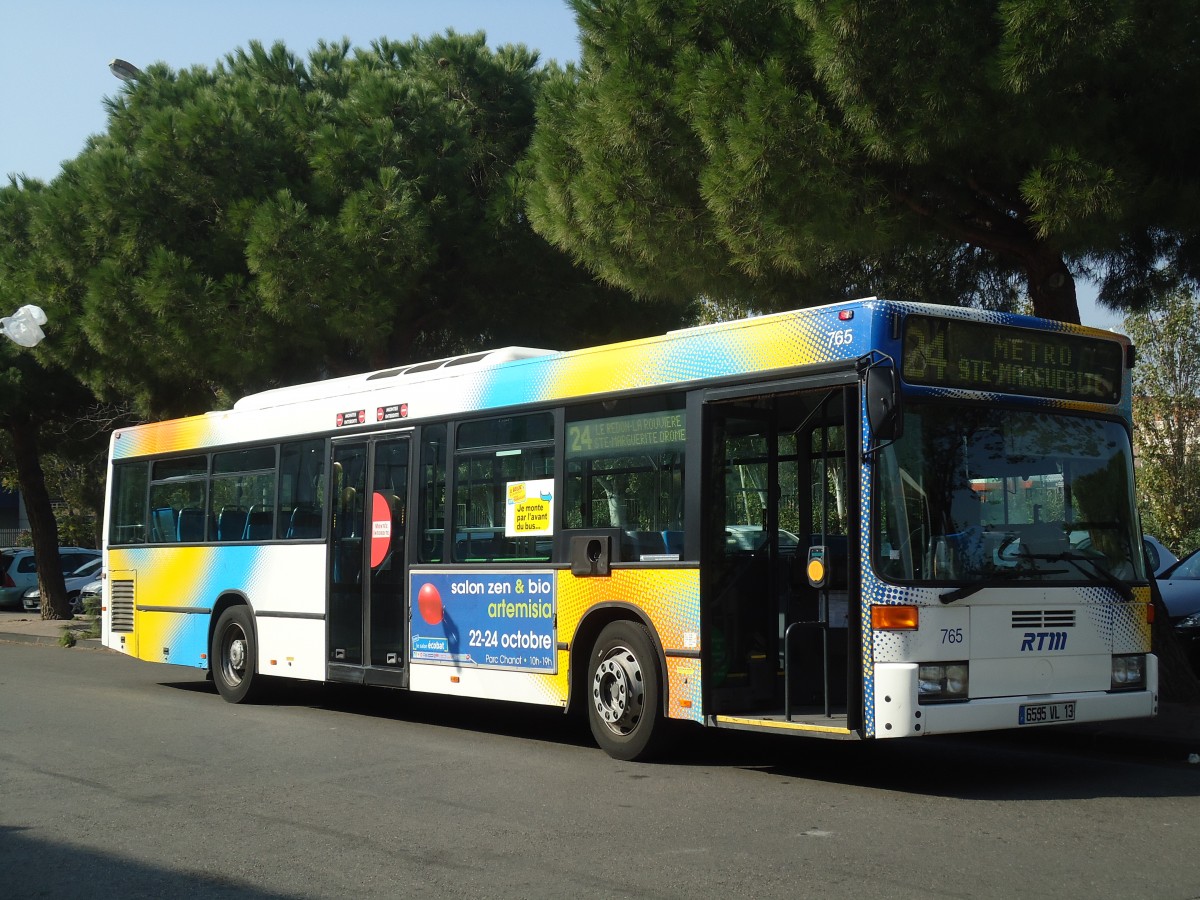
(1129, 672)
(942, 681)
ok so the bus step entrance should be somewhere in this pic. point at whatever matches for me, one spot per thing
(807, 686)
(808, 721)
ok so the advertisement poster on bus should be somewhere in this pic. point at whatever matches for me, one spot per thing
(529, 511)
(491, 620)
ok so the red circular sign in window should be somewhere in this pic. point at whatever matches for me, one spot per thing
(381, 528)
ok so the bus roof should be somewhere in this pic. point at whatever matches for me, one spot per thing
(832, 335)
(384, 378)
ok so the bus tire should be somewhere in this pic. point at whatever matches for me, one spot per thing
(233, 654)
(625, 693)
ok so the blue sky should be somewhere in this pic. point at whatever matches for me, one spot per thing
(54, 66)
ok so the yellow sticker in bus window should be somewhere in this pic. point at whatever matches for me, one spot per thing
(530, 508)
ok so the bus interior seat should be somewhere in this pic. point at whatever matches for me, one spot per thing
(674, 542)
(190, 526)
(259, 523)
(231, 524)
(636, 544)
(162, 524)
(433, 545)
(305, 523)
(475, 546)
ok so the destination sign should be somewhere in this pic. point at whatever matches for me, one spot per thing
(636, 434)
(977, 356)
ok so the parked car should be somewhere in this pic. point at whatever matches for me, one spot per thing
(18, 571)
(91, 595)
(1160, 557)
(75, 581)
(1180, 587)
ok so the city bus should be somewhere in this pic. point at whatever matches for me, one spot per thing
(870, 519)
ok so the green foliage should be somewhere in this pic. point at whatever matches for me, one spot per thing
(1166, 409)
(789, 151)
(276, 220)
(42, 402)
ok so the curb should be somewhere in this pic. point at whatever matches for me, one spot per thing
(47, 640)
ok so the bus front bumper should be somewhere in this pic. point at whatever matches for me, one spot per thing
(898, 714)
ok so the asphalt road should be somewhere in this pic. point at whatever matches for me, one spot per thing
(127, 779)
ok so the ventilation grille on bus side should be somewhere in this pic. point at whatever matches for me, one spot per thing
(1043, 618)
(121, 606)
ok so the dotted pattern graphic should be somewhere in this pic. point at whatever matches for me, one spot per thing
(670, 599)
(1123, 623)
(782, 341)
(194, 577)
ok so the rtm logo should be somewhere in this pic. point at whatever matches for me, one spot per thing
(1037, 641)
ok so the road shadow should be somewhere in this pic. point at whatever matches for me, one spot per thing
(518, 720)
(1046, 764)
(38, 868)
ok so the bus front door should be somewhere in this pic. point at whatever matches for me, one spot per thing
(366, 611)
(777, 469)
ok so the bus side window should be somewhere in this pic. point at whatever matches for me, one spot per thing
(176, 485)
(300, 512)
(493, 459)
(130, 483)
(624, 471)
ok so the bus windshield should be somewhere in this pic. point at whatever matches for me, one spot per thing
(981, 495)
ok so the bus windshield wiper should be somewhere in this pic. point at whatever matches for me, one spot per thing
(1098, 572)
(998, 580)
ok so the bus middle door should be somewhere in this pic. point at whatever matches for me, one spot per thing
(367, 583)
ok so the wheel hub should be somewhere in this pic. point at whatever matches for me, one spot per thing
(235, 657)
(237, 654)
(618, 692)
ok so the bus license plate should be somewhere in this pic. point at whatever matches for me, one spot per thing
(1046, 713)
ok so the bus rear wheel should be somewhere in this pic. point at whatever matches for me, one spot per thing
(624, 692)
(233, 654)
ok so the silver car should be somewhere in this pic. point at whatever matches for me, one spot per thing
(75, 581)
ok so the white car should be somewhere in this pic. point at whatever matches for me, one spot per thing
(75, 581)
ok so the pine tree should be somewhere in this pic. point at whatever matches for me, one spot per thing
(36, 395)
(275, 220)
(782, 149)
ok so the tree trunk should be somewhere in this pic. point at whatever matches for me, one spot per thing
(42, 524)
(1051, 287)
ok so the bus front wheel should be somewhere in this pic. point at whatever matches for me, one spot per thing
(233, 655)
(624, 692)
